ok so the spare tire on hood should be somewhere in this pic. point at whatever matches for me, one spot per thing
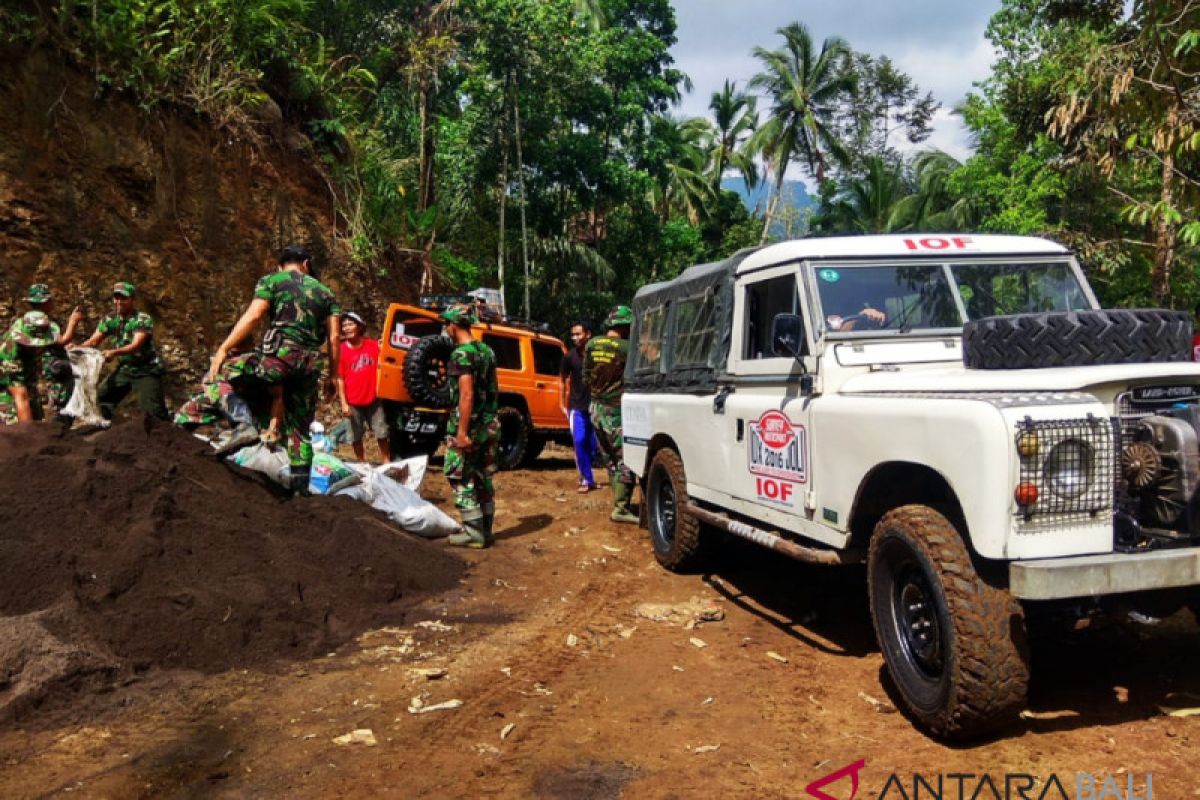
(425, 371)
(1077, 339)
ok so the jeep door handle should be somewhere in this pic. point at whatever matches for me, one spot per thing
(539, 385)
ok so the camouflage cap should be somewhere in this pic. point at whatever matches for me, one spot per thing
(124, 289)
(617, 316)
(461, 315)
(35, 330)
(38, 293)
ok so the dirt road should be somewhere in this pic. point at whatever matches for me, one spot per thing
(567, 693)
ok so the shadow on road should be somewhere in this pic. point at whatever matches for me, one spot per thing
(1111, 672)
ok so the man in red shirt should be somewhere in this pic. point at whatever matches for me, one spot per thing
(356, 386)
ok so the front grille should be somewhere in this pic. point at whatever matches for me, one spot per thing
(1081, 453)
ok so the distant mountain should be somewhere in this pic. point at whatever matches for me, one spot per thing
(794, 194)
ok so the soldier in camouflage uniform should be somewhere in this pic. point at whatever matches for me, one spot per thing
(21, 350)
(604, 374)
(472, 432)
(302, 316)
(56, 364)
(139, 369)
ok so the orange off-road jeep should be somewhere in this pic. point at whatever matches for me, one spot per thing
(416, 393)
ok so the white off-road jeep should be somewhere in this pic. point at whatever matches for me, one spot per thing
(954, 410)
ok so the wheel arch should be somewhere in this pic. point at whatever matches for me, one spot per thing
(658, 442)
(515, 400)
(898, 483)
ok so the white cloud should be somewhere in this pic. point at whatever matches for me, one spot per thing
(940, 43)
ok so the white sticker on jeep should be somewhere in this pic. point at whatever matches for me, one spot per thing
(636, 428)
(778, 448)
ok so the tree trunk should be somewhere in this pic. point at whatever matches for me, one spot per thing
(521, 184)
(773, 203)
(1164, 236)
(503, 203)
(1164, 229)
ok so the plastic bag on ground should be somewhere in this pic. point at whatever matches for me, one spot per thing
(272, 463)
(330, 474)
(86, 363)
(401, 503)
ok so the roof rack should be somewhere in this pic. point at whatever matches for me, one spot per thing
(487, 313)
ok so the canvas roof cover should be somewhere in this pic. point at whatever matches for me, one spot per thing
(682, 330)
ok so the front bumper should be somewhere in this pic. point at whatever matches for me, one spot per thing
(1107, 573)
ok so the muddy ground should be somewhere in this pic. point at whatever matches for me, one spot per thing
(567, 693)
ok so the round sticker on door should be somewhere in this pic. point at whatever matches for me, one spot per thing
(829, 275)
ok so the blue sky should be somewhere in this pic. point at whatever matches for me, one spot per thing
(939, 43)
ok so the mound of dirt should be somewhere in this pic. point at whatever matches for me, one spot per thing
(135, 548)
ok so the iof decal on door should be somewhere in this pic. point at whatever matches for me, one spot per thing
(777, 451)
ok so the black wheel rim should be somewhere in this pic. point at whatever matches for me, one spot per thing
(665, 509)
(916, 620)
(510, 439)
(436, 374)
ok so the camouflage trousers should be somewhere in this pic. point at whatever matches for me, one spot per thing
(57, 374)
(241, 394)
(607, 422)
(8, 408)
(470, 471)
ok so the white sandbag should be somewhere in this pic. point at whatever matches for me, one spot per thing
(402, 505)
(84, 406)
(271, 462)
(409, 471)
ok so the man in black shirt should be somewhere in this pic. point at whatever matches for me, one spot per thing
(574, 401)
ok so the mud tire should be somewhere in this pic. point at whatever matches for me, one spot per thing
(1077, 338)
(425, 375)
(674, 534)
(969, 677)
(403, 445)
(515, 437)
(536, 445)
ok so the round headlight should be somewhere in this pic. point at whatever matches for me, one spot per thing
(1068, 468)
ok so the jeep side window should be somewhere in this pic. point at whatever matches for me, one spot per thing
(507, 350)
(650, 331)
(547, 359)
(763, 301)
(694, 331)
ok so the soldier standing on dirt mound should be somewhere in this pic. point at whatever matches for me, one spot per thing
(472, 432)
(302, 316)
(21, 352)
(139, 369)
(604, 373)
(56, 364)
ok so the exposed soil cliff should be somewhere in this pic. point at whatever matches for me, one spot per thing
(94, 190)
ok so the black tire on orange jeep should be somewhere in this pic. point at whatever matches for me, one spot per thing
(515, 435)
(425, 371)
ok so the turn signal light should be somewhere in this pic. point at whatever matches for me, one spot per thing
(1028, 444)
(1026, 494)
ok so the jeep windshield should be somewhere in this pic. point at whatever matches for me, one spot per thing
(902, 298)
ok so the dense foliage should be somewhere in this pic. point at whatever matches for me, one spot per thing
(530, 144)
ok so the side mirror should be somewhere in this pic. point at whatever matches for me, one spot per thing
(787, 335)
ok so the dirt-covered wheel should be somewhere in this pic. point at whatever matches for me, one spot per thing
(674, 533)
(534, 449)
(425, 375)
(404, 445)
(954, 645)
(1077, 338)
(515, 437)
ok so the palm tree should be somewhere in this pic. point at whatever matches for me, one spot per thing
(934, 206)
(866, 204)
(681, 187)
(736, 118)
(803, 87)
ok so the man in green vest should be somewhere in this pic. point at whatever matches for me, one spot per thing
(604, 373)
